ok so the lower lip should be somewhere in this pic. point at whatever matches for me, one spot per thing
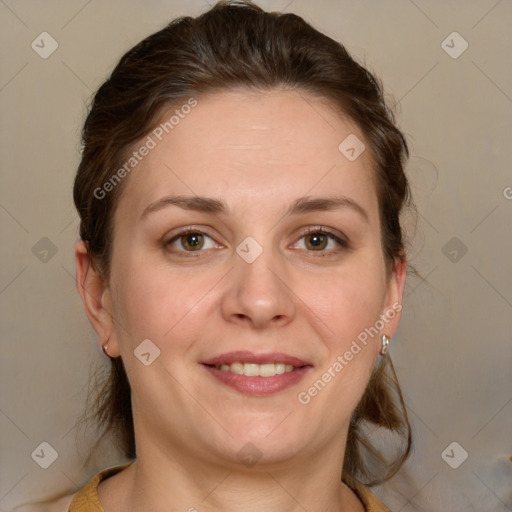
(259, 386)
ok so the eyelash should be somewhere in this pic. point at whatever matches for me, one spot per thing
(321, 230)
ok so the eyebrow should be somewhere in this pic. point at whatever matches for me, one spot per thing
(217, 207)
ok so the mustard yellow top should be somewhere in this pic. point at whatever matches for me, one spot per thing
(86, 500)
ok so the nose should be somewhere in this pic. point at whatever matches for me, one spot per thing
(259, 294)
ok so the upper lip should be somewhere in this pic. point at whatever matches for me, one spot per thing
(249, 357)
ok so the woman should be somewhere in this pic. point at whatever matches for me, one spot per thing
(242, 263)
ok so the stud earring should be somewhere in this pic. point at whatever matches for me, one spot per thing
(385, 344)
(105, 348)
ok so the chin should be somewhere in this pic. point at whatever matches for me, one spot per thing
(268, 441)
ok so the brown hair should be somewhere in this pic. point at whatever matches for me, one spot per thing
(237, 44)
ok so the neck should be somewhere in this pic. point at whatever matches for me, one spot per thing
(157, 480)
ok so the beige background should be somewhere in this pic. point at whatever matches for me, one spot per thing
(453, 353)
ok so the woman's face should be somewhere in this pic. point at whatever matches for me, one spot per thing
(283, 266)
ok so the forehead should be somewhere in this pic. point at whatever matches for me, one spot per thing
(243, 144)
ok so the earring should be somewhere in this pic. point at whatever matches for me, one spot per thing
(385, 343)
(105, 348)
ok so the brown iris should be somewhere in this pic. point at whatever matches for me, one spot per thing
(318, 241)
(192, 241)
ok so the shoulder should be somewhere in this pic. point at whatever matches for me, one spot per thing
(85, 500)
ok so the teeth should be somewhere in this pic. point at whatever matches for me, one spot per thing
(237, 368)
(251, 370)
(266, 370)
(257, 370)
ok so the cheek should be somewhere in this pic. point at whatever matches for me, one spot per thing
(143, 300)
(153, 302)
(348, 302)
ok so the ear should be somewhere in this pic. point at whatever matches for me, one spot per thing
(394, 294)
(96, 297)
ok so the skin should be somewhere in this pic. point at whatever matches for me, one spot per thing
(257, 152)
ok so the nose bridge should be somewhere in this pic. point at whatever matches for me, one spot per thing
(258, 291)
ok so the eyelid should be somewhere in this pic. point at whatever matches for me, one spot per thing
(335, 235)
(339, 238)
(168, 240)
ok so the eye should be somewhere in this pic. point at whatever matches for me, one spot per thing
(317, 240)
(191, 240)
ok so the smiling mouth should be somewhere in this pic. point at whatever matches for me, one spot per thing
(256, 370)
(257, 374)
